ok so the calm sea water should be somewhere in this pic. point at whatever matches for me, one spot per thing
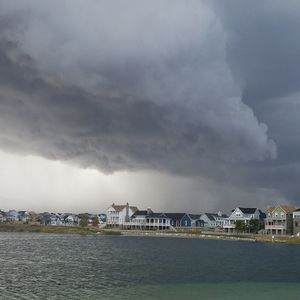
(44, 266)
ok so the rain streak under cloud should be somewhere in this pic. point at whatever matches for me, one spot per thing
(192, 91)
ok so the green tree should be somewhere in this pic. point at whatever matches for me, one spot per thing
(83, 221)
(254, 226)
(95, 221)
(240, 226)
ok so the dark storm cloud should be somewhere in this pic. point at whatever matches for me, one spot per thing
(263, 48)
(193, 88)
(263, 53)
(137, 97)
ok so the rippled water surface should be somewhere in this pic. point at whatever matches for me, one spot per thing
(45, 266)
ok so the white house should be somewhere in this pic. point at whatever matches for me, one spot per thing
(55, 220)
(70, 219)
(119, 215)
(149, 220)
(242, 214)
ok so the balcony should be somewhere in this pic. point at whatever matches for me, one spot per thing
(279, 218)
(278, 227)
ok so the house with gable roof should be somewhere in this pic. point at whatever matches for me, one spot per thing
(119, 215)
(296, 222)
(12, 216)
(24, 216)
(212, 220)
(175, 218)
(244, 214)
(279, 220)
(185, 220)
(2, 216)
(196, 220)
(149, 220)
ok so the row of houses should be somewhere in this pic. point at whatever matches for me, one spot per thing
(279, 220)
(54, 219)
(13, 216)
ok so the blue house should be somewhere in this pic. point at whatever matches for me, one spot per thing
(191, 220)
(175, 218)
(185, 220)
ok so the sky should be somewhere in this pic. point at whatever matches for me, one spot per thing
(175, 105)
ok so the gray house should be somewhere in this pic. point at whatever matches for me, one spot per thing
(279, 220)
(12, 215)
(212, 220)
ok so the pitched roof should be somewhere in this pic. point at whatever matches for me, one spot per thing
(194, 216)
(121, 207)
(213, 216)
(248, 210)
(175, 216)
(298, 209)
(140, 213)
(286, 208)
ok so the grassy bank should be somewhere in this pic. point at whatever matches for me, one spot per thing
(18, 227)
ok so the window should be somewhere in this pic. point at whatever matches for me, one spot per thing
(185, 223)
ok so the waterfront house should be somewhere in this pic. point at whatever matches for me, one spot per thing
(2, 216)
(55, 220)
(212, 220)
(12, 216)
(279, 220)
(45, 218)
(196, 220)
(149, 220)
(119, 215)
(296, 222)
(24, 216)
(244, 214)
(176, 219)
(101, 218)
(70, 219)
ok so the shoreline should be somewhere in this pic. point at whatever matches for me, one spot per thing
(186, 234)
(253, 238)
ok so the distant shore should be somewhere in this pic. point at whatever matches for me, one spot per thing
(36, 228)
(184, 234)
